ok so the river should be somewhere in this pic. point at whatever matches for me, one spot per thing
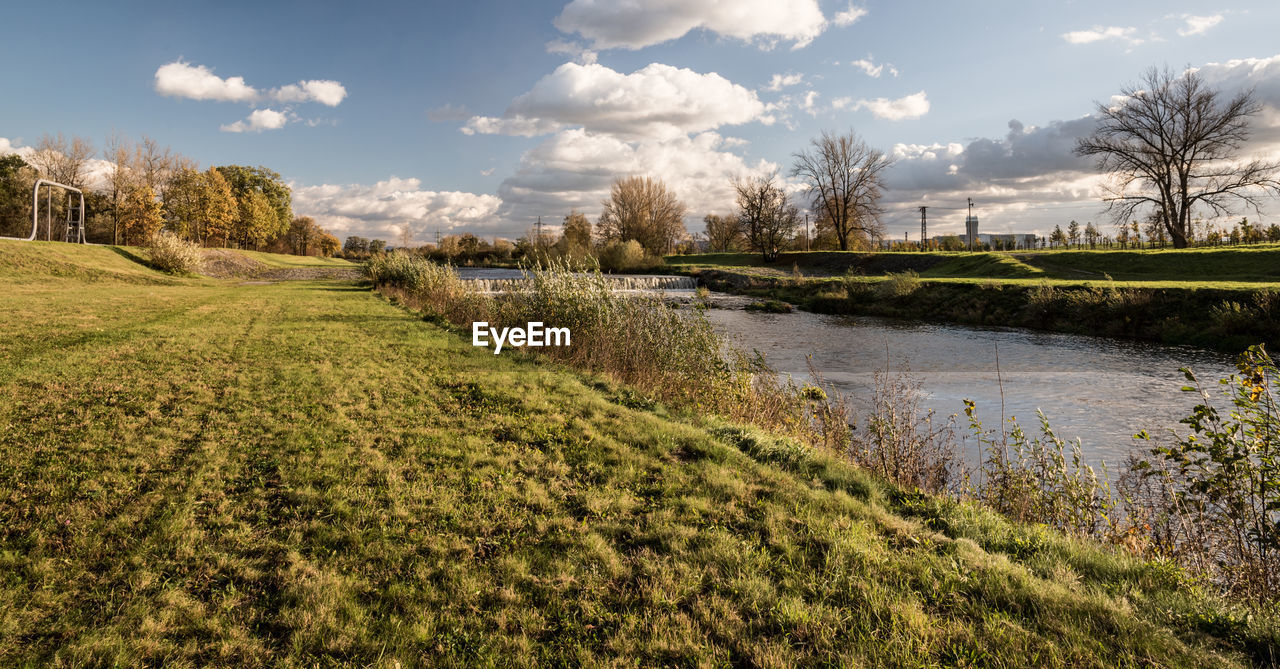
(1098, 389)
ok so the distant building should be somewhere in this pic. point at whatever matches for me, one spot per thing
(970, 230)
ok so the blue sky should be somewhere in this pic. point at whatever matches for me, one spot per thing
(481, 116)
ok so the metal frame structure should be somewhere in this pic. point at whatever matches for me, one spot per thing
(35, 211)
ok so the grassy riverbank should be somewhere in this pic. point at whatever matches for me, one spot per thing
(1226, 299)
(196, 472)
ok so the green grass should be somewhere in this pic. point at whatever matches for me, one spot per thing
(1219, 267)
(279, 260)
(198, 472)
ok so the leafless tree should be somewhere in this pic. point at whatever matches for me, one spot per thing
(1171, 145)
(845, 178)
(63, 161)
(121, 177)
(765, 215)
(156, 165)
(643, 209)
(724, 233)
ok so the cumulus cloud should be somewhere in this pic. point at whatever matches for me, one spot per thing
(902, 109)
(1099, 33)
(849, 16)
(781, 81)
(197, 82)
(579, 53)
(383, 209)
(656, 101)
(1198, 25)
(873, 70)
(635, 24)
(259, 120)
(574, 169)
(324, 91)
(1262, 76)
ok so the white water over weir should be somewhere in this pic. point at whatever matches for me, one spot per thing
(500, 281)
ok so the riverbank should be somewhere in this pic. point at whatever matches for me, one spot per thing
(1003, 290)
(199, 472)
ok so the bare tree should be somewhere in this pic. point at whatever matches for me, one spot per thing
(63, 161)
(1171, 145)
(724, 233)
(643, 209)
(118, 152)
(765, 215)
(845, 178)
(156, 165)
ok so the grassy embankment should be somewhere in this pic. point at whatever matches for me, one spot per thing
(198, 472)
(1224, 298)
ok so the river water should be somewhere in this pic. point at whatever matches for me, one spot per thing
(1097, 389)
(1100, 390)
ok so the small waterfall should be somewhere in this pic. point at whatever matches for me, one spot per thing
(619, 282)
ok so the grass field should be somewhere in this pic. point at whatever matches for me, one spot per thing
(1219, 267)
(199, 472)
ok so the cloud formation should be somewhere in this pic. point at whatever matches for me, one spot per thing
(635, 24)
(904, 108)
(1099, 33)
(781, 81)
(1198, 25)
(259, 120)
(197, 82)
(868, 66)
(574, 169)
(849, 16)
(384, 208)
(180, 79)
(656, 101)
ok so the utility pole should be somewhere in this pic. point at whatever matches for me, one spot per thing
(437, 239)
(538, 227)
(924, 229)
(970, 227)
(806, 231)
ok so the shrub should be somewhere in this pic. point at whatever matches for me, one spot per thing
(173, 254)
(899, 284)
(618, 256)
(770, 307)
(1214, 494)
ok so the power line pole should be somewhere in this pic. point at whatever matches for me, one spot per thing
(538, 228)
(971, 227)
(924, 228)
(806, 231)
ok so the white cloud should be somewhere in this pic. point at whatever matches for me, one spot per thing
(577, 52)
(849, 16)
(1098, 33)
(634, 24)
(259, 120)
(197, 82)
(330, 93)
(781, 81)
(574, 169)
(902, 109)
(656, 101)
(1198, 25)
(383, 209)
(873, 70)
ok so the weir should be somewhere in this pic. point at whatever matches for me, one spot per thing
(619, 281)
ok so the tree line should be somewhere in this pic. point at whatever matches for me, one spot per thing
(146, 187)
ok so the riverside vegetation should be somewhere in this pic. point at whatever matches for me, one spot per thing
(1207, 514)
(1221, 298)
(205, 472)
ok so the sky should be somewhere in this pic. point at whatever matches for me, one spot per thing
(483, 116)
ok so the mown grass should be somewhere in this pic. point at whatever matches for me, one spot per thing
(280, 260)
(196, 472)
